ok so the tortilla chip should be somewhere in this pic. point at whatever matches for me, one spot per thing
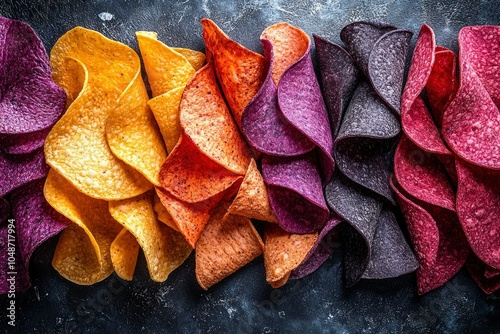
(239, 70)
(162, 213)
(77, 147)
(124, 253)
(227, 243)
(83, 253)
(164, 248)
(252, 200)
(283, 252)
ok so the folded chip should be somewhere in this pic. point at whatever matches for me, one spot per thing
(164, 248)
(82, 253)
(227, 243)
(77, 146)
(124, 253)
(479, 272)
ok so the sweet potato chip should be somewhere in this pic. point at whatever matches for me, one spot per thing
(77, 147)
(227, 243)
(124, 253)
(82, 254)
(239, 70)
(164, 248)
(283, 252)
(252, 200)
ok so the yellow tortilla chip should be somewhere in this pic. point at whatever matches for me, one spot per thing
(252, 200)
(225, 246)
(82, 254)
(195, 58)
(77, 147)
(124, 253)
(164, 248)
(162, 213)
(283, 252)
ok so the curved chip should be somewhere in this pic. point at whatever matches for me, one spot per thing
(30, 100)
(82, 254)
(439, 242)
(239, 70)
(478, 208)
(77, 147)
(227, 243)
(339, 76)
(164, 248)
(320, 252)
(477, 270)
(252, 199)
(162, 213)
(295, 193)
(124, 253)
(4, 210)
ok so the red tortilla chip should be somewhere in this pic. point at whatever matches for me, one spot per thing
(478, 270)
(227, 243)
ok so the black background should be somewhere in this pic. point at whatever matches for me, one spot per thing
(244, 303)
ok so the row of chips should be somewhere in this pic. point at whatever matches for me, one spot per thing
(30, 104)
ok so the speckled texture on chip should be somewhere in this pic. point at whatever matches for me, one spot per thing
(227, 243)
(77, 146)
(438, 239)
(164, 248)
(124, 253)
(339, 76)
(478, 208)
(295, 192)
(240, 71)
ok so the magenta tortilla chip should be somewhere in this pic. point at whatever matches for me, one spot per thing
(17, 170)
(490, 272)
(471, 123)
(4, 210)
(480, 47)
(478, 208)
(295, 192)
(24, 143)
(35, 222)
(478, 270)
(321, 251)
(339, 76)
(365, 140)
(30, 101)
(437, 237)
(263, 124)
(422, 175)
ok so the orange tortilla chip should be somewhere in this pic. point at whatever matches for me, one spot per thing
(77, 147)
(289, 44)
(164, 248)
(283, 252)
(207, 121)
(195, 58)
(251, 200)
(225, 246)
(82, 254)
(192, 177)
(241, 72)
(124, 253)
(162, 213)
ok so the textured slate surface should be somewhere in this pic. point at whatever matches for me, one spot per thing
(244, 303)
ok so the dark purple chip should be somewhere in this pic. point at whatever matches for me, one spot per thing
(13, 277)
(339, 76)
(295, 192)
(478, 270)
(391, 256)
(23, 143)
(263, 124)
(30, 100)
(4, 210)
(365, 140)
(323, 248)
(386, 66)
(20, 169)
(359, 39)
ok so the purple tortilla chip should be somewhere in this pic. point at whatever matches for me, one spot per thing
(365, 140)
(30, 100)
(386, 66)
(321, 250)
(4, 210)
(13, 277)
(295, 192)
(20, 169)
(24, 143)
(391, 255)
(359, 39)
(339, 76)
(263, 124)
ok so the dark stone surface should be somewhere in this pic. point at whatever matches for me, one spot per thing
(244, 303)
